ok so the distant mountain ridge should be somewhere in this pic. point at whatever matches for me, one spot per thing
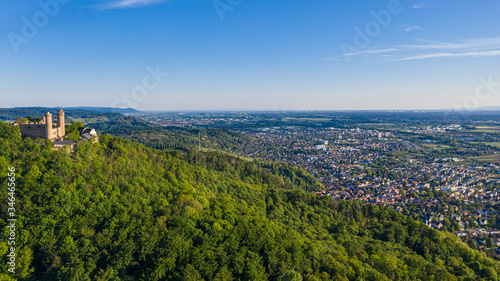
(106, 109)
(72, 112)
(489, 108)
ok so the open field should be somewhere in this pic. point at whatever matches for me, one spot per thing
(495, 144)
(89, 120)
(435, 146)
(308, 119)
(486, 129)
(376, 124)
(488, 158)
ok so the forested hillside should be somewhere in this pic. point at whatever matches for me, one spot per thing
(118, 210)
(177, 138)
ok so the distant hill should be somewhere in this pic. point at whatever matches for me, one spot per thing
(13, 113)
(7, 114)
(482, 108)
(489, 108)
(105, 109)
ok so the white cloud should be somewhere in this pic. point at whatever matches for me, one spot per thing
(410, 28)
(419, 5)
(476, 43)
(493, 53)
(472, 48)
(372, 51)
(128, 4)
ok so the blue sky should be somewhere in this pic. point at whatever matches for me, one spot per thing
(243, 54)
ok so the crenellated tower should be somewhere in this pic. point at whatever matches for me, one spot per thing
(48, 126)
(60, 123)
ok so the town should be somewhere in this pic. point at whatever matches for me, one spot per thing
(385, 168)
(446, 175)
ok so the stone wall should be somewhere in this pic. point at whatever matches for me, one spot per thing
(32, 130)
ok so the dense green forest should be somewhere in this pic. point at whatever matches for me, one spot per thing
(175, 138)
(118, 210)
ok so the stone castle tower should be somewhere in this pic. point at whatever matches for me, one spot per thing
(45, 129)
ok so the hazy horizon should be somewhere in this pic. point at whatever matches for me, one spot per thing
(477, 109)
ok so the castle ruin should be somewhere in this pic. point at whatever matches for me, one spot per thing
(45, 129)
